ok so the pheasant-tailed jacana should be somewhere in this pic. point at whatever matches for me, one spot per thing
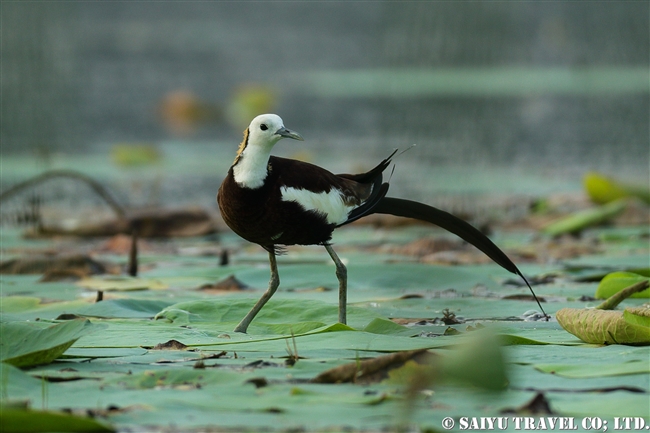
(273, 202)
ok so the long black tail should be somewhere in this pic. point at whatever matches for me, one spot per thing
(464, 230)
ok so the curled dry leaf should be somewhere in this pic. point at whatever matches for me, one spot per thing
(602, 327)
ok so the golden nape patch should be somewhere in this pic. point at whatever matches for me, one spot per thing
(242, 146)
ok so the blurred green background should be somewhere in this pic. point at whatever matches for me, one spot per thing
(500, 97)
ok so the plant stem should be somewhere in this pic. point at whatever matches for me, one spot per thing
(611, 302)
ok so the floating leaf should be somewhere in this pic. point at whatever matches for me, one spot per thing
(121, 283)
(25, 345)
(388, 327)
(16, 304)
(33, 421)
(183, 379)
(591, 370)
(285, 313)
(616, 281)
(122, 308)
(586, 218)
(602, 327)
(516, 340)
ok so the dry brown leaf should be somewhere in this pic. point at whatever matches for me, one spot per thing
(148, 223)
(229, 284)
(170, 345)
(56, 267)
(539, 405)
(371, 370)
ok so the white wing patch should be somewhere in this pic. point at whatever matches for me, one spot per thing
(330, 203)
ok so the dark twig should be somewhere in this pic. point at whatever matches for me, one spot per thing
(133, 254)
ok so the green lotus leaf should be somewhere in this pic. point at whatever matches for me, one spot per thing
(27, 344)
(33, 421)
(616, 281)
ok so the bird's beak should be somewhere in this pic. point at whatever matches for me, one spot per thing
(287, 133)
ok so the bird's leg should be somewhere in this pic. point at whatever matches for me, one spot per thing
(342, 275)
(273, 286)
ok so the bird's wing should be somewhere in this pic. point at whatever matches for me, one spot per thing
(343, 198)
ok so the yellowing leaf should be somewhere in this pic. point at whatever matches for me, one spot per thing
(602, 327)
(602, 189)
(121, 283)
(132, 154)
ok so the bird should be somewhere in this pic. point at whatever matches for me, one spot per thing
(276, 202)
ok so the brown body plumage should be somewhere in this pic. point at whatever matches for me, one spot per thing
(262, 217)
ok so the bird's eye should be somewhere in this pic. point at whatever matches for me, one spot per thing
(263, 127)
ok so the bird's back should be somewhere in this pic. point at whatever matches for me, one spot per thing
(299, 203)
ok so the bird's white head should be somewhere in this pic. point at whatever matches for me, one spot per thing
(267, 129)
(250, 166)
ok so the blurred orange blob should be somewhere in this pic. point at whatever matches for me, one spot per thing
(182, 112)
